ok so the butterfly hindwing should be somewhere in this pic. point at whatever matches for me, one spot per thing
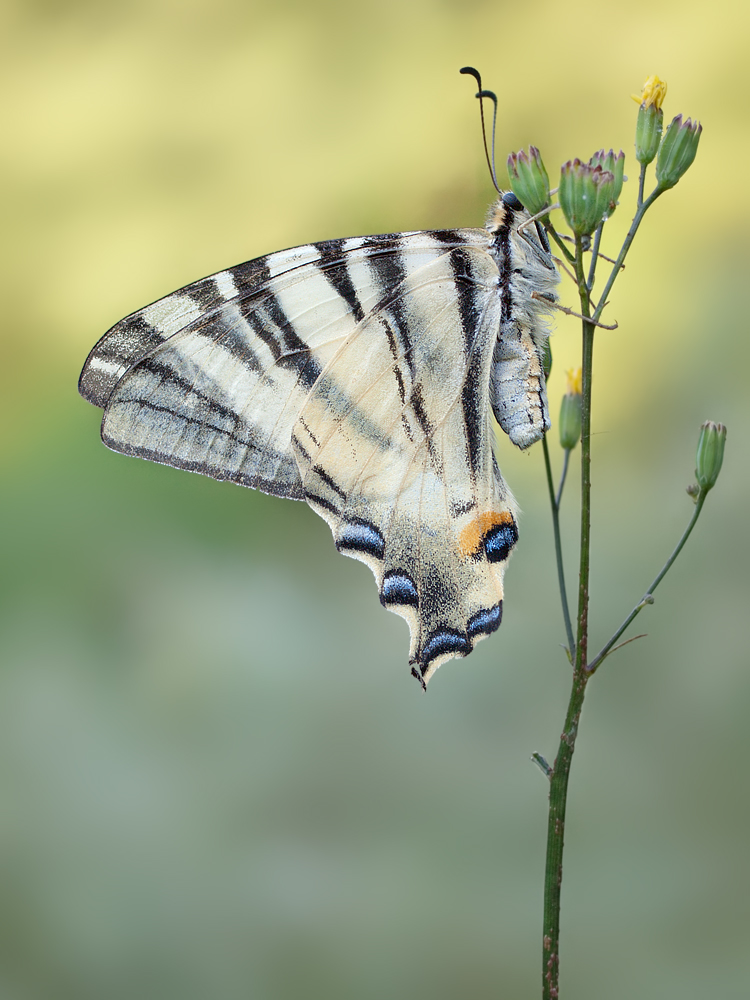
(395, 449)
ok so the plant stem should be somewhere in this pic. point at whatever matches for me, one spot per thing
(607, 649)
(637, 219)
(594, 256)
(558, 796)
(555, 503)
(563, 477)
(641, 183)
(561, 768)
(552, 232)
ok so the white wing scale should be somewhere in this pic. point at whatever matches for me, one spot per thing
(359, 375)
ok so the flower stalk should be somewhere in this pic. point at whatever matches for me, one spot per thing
(588, 195)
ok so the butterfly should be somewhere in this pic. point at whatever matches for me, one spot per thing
(360, 375)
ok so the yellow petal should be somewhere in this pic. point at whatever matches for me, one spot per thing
(574, 381)
(654, 92)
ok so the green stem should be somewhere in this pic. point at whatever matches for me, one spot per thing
(594, 257)
(641, 183)
(561, 768)
(637, 219)
(558, 795)
(607, 649)
(563, 476)
(552, 232)
(555, 504)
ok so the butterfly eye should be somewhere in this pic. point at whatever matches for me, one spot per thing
(511, 201)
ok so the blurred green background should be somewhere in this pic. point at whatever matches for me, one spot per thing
(216, 777)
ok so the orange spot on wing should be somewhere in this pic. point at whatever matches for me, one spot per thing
(471, 538)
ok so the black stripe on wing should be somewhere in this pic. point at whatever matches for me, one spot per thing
(143, 331)
(333, 265)
(270, 324)
(471, 295)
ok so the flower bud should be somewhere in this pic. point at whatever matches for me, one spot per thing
(546, 360)
(570, 411)
(677, 151)
(648, 126)
(616, 166)
(585, 193)
(528, 180)
(710, 454)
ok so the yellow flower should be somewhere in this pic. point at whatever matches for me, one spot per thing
(654, 92)
(570, 411)
(574, 376)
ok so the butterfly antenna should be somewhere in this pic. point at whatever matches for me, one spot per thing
(490, 96)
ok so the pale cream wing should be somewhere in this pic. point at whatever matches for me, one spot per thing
(395, 450)
(353, 374)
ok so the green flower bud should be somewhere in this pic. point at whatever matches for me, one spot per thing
(677, 151)
(528, 180)
(605, 195)
(648, 133)
(547, 360)
(585, 193)
(650, 120)
(710, 454)
(570, 411)
(616, 166)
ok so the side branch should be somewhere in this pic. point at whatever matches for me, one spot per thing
(555, 504)
(647, 597)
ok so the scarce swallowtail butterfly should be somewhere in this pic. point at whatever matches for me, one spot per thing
(360, 375)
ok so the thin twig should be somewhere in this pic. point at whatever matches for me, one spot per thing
(647, 598)
(541, 297)
(559, 240)
(563, 477)
(555, 503)
(637, 219)
(541, 764)
(594, 257)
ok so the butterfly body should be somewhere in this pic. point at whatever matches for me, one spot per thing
(359, 375)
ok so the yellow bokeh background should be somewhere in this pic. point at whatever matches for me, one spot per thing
(216, 776)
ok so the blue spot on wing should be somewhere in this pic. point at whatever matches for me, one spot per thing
(361, 536)
(500, 540)
(398, 588)
(445, 641)
(485, 621)
(457, 643)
